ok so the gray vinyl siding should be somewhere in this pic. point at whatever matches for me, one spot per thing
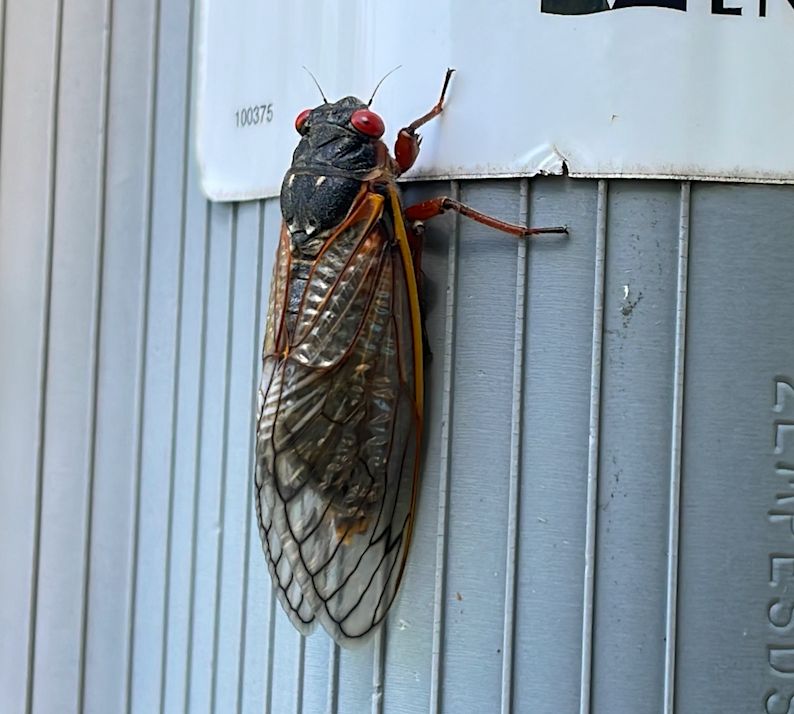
(605, 473)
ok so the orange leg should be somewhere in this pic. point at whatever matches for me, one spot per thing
(436, 206)
(406, 148)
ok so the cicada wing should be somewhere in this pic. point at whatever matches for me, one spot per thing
(286, 586)
(338, 441)
(275, 334)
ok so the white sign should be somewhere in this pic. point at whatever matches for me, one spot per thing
(702, 89)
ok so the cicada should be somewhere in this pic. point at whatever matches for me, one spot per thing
(339, 419)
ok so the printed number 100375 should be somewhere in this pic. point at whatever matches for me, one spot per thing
(253, 115)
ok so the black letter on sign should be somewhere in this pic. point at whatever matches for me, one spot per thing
(672, 4)
(718, 8)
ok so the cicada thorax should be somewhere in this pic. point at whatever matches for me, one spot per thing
(330, 163)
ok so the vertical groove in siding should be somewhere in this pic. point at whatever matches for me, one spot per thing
(592, 453)
(511, 564)
(44, 356)
(2, 60)
(95, 348)
(270, 204)
(445, 447)
(143, 331)
(249, 491)
(333, 678)
(299, 670)
(186, 168)
(221, 514)
(188, 673)
(271, 647)
(378, 662)
(675, 450)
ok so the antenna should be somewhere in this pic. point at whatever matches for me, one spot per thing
(322, 94)
(377, 86)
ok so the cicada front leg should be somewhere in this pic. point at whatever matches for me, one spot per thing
(406, 148)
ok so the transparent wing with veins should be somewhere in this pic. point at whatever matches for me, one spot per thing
(338, 431)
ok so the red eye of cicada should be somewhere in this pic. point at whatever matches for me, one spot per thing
(300, 120)
(368, 123)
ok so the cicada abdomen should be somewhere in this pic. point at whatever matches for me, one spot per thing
(340, 402)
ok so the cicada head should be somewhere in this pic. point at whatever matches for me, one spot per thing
(339, 148)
